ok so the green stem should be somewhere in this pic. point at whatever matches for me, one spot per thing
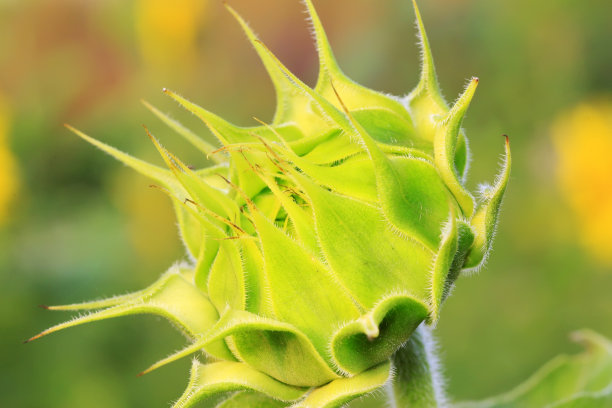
(417, 382)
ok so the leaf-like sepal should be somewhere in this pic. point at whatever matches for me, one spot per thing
(382, 116)
(216, 380)
(251, 399)
(445, 145)
(205, 195)
(226, 281)
(375, 336)
(199, 143)
(484, 221)
(426, 103)
(291, 107)
(276, 348)
(339, 392)
(301, 219)
(428, 87)
(411, 193)
(173, 296)
(371, 261)
(442, 266)
(298, 279)
(156, 173)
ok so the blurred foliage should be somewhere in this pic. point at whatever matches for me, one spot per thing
(80, 226)
(581, 380)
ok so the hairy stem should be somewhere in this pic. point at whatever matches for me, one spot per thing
(417, 382)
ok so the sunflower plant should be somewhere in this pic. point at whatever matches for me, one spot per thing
(322, 243)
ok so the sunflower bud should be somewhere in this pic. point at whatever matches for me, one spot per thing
(320, 241)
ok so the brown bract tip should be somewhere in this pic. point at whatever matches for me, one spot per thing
(38, 336)
(338, 97)
(148, 133)
(44, 307)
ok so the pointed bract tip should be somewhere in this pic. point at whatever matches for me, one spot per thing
(246, 198)
(339, 98)
(415, 6)
(231, 10)
(149, 133)
(38, 336)
(225, 179)
(587, 339)
(461, 105)
(507, 139)
(159, 188)
(71, 128)
(44, 307)
(261, 122)
(169, 92)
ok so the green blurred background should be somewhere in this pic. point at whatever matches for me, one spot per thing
(76, 225)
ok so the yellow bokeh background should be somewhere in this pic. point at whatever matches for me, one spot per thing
(582, 138)
(168, 32)
(8, 167)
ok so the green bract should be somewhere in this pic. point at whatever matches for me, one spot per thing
(320, 241)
